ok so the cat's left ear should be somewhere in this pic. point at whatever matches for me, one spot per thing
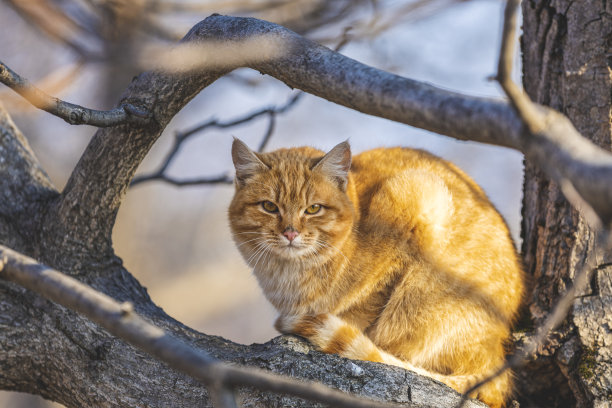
(336, 164)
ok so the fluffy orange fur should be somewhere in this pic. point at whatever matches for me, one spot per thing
(396, 257)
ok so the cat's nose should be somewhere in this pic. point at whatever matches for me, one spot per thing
(290, 233)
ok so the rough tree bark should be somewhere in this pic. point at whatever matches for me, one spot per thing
(566, 65)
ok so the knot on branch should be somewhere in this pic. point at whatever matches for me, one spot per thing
(77, 117)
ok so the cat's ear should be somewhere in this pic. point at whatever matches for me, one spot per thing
(246, 161)
(336, 163)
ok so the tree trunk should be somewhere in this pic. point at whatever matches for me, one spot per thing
(566, 65)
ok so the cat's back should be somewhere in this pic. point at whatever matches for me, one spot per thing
(411, 201)
(372, 168)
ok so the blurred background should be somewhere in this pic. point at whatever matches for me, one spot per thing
(176, 240)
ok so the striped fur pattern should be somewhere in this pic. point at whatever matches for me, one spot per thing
(393, 256)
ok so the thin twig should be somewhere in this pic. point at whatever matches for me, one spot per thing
(519, 100)
(269, 132)
(71, 113)
(181, 137)
(121, 320)
(214, 123)
(223, 179)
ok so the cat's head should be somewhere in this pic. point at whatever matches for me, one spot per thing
(291, 204)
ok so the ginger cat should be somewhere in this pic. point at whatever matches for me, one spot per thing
(397, 257)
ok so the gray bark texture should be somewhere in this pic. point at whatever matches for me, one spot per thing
(566, 65)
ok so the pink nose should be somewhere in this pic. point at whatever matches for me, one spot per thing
(290, 234)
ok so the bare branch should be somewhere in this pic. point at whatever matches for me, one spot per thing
(519, 100)
(269, 132)
(181, 137)
(223, 179)
(55, 82)
(121, 320)
(71, 113)
(214, 123)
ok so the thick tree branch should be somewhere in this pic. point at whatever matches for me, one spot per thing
(24, 186)
(121, 320)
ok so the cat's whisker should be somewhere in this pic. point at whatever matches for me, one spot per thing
(262, 251)
(266, 251)
(258, 248)
(250, 232)
(250, 240)
(312, 254)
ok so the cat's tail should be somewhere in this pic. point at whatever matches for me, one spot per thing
(331, 334)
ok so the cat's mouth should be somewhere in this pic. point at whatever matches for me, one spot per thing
(292, 249)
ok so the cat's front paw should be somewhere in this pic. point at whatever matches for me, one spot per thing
(326, 332)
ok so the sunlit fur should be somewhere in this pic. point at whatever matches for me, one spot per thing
(406, 263)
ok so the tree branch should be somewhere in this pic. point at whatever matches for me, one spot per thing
(71, 113)
(519, 100)
(181, 137)
(121, 320)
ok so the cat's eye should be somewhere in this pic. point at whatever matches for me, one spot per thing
(269, 206)
(313, 209)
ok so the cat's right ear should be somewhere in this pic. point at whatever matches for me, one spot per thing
(246, 162)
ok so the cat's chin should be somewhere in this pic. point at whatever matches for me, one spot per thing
(292, 252)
